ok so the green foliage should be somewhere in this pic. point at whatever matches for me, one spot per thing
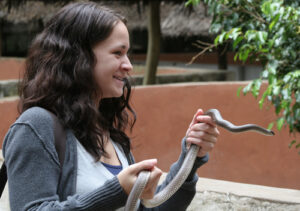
(267, 31)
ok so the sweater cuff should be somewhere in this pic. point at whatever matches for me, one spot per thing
(110, 196)
(198, 162)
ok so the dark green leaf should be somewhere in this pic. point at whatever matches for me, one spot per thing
(237, 41)
(274, 21)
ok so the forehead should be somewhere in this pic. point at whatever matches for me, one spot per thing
(119, 37)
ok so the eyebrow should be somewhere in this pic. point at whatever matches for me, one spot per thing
(121, 46)
(124, 47)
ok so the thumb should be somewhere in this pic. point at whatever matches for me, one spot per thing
(143, 165)
(199, 112)
(194, 121)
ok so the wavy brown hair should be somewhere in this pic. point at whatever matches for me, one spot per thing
(59, 77)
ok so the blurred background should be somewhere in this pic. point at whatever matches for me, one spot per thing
(182, 29)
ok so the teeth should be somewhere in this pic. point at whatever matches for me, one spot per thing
(119, 78)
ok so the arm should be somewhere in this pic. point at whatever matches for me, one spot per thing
(34, 173)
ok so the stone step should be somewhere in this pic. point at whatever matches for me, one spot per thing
(221, 195)
(8, 88)
(197, 75)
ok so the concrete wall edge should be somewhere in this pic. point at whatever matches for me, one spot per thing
(282, 195)
(260, 192)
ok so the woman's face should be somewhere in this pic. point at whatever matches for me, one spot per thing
(112, 64)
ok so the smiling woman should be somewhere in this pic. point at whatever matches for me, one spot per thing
(77, 68)
(112, 62)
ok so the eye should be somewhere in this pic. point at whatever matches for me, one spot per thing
(118, 53)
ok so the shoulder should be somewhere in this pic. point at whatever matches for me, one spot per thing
(39, 120)
(35, 125)
(36, 116)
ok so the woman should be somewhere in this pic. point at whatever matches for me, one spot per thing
(77, 68)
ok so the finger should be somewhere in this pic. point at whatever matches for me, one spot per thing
(205, 146)
(150, 188)
(198, 112)
(194, 120)
(200, 127)
(128, 176)
(205, 149)
(197, 137)
(213, 130)
(203, 136)
(154, 176)
(205, 119)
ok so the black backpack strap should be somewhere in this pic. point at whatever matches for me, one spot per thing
(3, 178)
(60, 139)
(60, 146)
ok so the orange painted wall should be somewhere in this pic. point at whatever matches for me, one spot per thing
(8, 114)
(164, 113)
(11, 68)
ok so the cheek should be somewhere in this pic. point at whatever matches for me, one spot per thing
(105, 67)
(103, 74)
(100, 68)
(99, 74)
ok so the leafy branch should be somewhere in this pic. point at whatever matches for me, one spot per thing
(267, 31)
(204, 46)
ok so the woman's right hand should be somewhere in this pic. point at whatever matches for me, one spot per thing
(128, 176)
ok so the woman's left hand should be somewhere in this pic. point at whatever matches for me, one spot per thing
(202, 132)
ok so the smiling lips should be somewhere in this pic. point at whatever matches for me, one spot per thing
(119, 78)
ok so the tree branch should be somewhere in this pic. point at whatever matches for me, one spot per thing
(211, 46)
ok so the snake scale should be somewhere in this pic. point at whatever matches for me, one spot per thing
(184, 171)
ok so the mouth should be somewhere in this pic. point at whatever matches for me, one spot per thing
(119, 78)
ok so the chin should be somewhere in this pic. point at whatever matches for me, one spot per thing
(120, 95)
(117, 95)
(113, 93)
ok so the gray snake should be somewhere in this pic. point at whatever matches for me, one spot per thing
(184, 171)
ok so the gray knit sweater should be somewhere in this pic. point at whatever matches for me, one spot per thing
(36, 182)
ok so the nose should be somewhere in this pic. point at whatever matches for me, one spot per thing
(126, 64)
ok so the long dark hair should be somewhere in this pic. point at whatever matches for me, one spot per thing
(59, 77)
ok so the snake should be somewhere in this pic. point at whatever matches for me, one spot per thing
(162, 196)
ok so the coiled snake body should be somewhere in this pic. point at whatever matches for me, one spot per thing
(184, 171)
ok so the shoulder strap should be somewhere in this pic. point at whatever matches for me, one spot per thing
(60, 139)
(60, 146)
(3, 178)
